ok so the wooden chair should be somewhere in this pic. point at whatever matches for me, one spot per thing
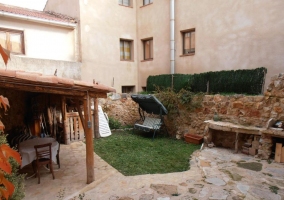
(43, 157)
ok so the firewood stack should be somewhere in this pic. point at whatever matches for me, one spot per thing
(279, 153)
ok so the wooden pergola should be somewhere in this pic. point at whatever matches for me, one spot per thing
(67, 88)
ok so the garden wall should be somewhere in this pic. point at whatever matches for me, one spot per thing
(238, 109)
(254, 111)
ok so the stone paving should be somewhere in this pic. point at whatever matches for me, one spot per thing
(215, 173)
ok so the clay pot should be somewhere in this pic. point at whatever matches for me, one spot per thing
(193, 139)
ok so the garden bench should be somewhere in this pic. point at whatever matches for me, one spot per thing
(149, 124)
(155, 110)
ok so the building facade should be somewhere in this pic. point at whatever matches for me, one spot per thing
(40, 42)
(121, 42)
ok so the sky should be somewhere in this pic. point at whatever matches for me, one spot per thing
(31, 4)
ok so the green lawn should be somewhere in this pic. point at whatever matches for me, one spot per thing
(134, 154)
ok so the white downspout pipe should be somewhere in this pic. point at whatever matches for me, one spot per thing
(172, 34)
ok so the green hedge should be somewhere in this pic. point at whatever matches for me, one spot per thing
(246, 81)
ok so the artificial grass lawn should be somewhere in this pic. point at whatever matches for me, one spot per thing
(134, 154)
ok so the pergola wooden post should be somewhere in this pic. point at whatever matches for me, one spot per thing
(89, 140)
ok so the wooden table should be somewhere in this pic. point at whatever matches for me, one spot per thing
(28, 152)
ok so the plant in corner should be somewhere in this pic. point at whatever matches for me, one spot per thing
(12, 183)
(114, 123)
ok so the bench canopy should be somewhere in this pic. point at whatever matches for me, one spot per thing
(150, 104)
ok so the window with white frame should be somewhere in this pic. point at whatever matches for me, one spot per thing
(13, 40)
(125, 2)
(125, 49)
(146, 2)
(188, 42)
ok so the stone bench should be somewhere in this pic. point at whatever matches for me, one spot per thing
(229, 127)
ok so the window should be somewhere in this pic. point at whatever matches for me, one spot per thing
(146, 2)
(148, 48)
(188, 42)
(125, 49)
(127, 89)
(12, 40)
(125, 2)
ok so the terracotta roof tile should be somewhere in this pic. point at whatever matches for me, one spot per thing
(83, 83)
(48, 15)
(27, 76)
(37, 79)
(65, 81)
(8, 73)
(47, 79)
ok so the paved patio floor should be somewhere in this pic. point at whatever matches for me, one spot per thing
(214, 174)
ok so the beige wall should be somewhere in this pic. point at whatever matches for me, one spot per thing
(153, 20)
(103, 23)
(42, 40)
(231, 35)
(67, 7)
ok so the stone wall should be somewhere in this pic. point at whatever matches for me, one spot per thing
(122, 109)
(238, 109)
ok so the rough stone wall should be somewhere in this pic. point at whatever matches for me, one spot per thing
(238, 109)
(124, 110)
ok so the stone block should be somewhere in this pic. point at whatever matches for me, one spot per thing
(238, 104)
(255, 144)
(252, 151)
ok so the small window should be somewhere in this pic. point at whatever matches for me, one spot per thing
(12, 40)
(146, 2)
(125, 2)
(127, 89)
(125, 49)
(188, 42)
(148, 48)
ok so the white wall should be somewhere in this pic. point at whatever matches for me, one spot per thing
(44, 41)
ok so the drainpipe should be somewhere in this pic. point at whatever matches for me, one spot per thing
(172, 34)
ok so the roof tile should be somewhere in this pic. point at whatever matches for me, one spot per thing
(8, 73)
(48, 80)
(27, 76)
(37, 14)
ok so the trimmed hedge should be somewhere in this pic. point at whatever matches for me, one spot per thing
(246, 81)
